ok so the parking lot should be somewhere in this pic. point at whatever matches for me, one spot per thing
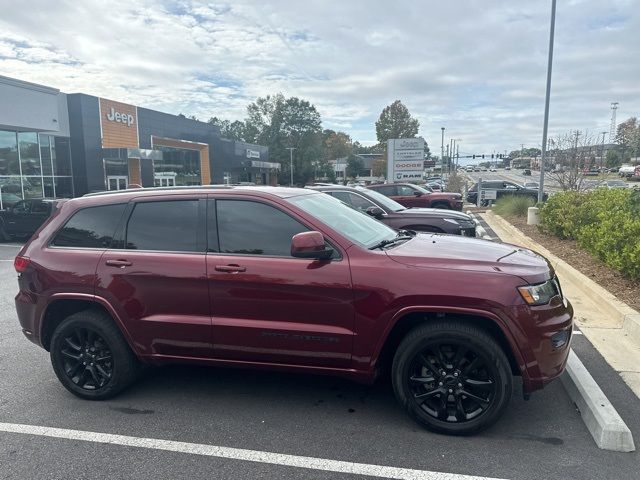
(305, 416)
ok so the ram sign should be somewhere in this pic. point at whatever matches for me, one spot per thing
(405, 159)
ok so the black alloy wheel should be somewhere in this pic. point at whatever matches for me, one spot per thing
(90, 356)
(88, 361)
(452, 377)
(451, 383)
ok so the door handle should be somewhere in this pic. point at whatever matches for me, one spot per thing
(230, 268)
(118, 263)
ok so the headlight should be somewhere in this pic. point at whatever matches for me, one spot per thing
(451, 220)
(540, 294)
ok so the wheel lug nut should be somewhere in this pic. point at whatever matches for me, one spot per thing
(440, 383)
(450, 391)
(455, 374)
(460, 385)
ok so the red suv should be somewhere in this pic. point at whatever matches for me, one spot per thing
(288, 279)
(410, 195)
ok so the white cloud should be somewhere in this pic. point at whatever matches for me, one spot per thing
(477, 68)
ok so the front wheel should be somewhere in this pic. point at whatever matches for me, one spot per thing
(452, 378)
(90, 357)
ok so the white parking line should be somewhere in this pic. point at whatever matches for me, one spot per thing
(10, 245)
(236, 453)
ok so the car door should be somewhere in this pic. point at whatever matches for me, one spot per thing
(408, 197)
(155, 276)
(268, 306)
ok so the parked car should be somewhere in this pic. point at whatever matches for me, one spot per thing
(526, 171)
(626, 171)
(531, 185)
(25, 217)
(435, 186)
(9, 200)
(503, 188)
(492, 169)
(614, 184)
(410, 195)
(507, 168)
(398, 217)
(289, 279)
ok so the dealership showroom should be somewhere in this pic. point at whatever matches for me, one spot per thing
(59, 145)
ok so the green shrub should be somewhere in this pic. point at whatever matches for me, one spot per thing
(512, 206)
(563, 214)
(604, 222)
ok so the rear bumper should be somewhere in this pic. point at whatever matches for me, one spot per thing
(28, 310)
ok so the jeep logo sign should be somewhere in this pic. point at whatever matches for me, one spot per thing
(125, 118)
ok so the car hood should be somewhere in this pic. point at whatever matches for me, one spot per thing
(436, 212)
(464, 253)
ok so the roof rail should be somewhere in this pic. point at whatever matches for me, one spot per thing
(159, 189)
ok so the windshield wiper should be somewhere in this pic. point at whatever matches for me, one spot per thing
(403, 235)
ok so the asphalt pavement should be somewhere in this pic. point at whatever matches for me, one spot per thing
(319, 420)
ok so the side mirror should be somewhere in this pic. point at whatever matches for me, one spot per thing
(417, 193)
(310, 245)
(375, 212)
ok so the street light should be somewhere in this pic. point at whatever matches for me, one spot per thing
(1, 206)
(291, 149)
(546, 101)
(442, 147)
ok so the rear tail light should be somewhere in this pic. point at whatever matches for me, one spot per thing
(21, 264)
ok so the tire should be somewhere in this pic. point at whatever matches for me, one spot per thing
(95, 374)
(476, 387)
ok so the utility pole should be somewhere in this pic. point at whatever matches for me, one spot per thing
(458, 155)
(545, 127)
(451, 142)
(291, 149)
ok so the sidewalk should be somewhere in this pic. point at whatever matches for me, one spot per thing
(610, 325)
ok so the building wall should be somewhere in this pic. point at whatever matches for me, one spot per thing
(86, 147)
(29, 107)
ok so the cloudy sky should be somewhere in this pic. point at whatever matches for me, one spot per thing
(477, 68)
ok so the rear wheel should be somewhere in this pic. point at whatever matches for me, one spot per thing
(91, 358)
(452, 378)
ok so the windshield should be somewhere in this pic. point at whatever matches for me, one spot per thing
(383, 200)
(356, 226)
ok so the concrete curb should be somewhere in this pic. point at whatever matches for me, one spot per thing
(626, 316)
(602, 420)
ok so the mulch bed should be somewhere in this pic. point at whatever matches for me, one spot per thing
(626, 290)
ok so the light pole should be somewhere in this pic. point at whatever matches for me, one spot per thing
(546, 101)
(602, 152)
(291, 149)
(1, 206)
(442, 146)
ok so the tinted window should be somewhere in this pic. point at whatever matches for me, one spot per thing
(255, 228)
(386, 190)
(405, 190)
(40, 207)
(169, 226)
(91, 227)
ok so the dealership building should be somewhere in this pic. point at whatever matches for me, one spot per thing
(59, 145)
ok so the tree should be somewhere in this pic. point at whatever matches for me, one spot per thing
(379, 168)
(281, 123)
(395, 121)
(359, 148)
(232, 130)
(628, 138)
(354, 167)
(612, 159)
(572, 153)
(336, 144)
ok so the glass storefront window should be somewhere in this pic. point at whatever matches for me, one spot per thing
(180, 164)
(32, 187)
(45, 154)
(29, 153)
(9, 153)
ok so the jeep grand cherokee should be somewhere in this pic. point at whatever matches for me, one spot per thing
(289, 279)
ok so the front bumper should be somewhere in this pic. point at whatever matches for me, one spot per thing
(547, 331)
